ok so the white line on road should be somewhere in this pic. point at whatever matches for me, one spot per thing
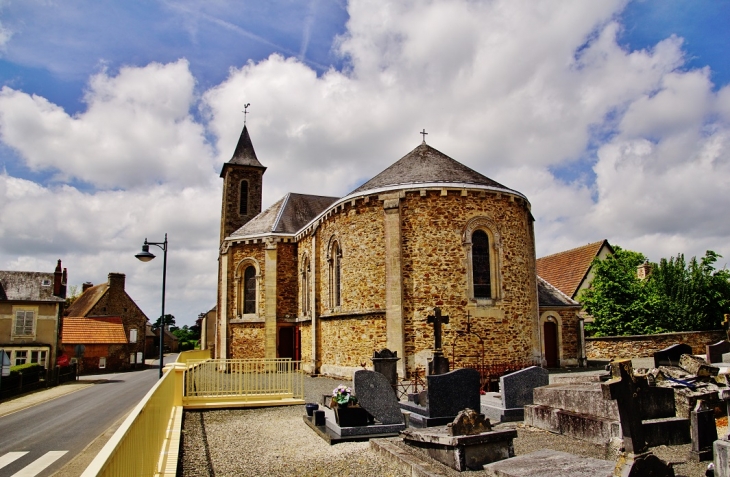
(35, 467)
(10, 457)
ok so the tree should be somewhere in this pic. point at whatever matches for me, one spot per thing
(169, 321)
(677, 296)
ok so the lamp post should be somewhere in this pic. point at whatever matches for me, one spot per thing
(146, 256)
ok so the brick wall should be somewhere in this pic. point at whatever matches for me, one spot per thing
(644, 346)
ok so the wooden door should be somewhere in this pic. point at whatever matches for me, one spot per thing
(551, 344)
(286, 342)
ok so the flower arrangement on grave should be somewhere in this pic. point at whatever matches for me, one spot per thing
(343, 397)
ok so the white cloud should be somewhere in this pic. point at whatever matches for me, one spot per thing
(512, 89)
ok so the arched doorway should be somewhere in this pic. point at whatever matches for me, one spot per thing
(550, 335)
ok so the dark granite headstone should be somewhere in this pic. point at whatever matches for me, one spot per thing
(452, 392)
(385, 362)
(704, 432)
(670, 356)
(516, 388)
(715, 351)
(375, 395)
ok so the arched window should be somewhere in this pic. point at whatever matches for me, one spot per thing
(481, 270)
(335, 260)
(305, 285)
(249, 290)
(243, 198)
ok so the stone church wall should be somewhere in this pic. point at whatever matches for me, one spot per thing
(435, 268)
(236, 254)
(350, 342)
(247, 340)
(286, 280)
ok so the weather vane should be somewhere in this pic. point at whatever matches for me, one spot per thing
(424, 133)
(245, 112)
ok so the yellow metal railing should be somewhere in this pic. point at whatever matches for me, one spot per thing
(243, 382)
(139, 443)
(196, 354)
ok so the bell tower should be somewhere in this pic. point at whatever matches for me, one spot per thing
(242, 186)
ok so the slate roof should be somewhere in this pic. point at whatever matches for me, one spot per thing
(85, 302)
(426, 165)
(27, 286)
(97, 330)
(287, 216)
(244, 155)
(549, 296)
(566, 270)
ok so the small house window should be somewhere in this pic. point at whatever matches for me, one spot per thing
(133, 335)
(243, 199)
(24, 323)
(102, 363)
(480, 265)
(249, 286)
(21, 357)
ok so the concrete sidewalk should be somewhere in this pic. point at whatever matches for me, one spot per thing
(31, 399)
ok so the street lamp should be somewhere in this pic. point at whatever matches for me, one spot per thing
(146, 256)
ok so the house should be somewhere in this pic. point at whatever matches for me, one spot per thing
(571, 271)
(110, 300)
(206, 322)
(31, 306)
(99, 344)
(152, 343)
(329, 280)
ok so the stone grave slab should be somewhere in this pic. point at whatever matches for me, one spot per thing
(446, 395)
(516, 392)
(670, 355)
(375, 394)
(550, 463)
(334, 434)
(715, 351)
(478, 446)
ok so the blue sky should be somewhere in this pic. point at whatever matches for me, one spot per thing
(116, 116)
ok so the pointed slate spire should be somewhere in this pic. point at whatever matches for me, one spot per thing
(244, 155)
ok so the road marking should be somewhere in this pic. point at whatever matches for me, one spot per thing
(10, 457)
(35, 467)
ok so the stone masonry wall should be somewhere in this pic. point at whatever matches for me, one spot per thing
(231, 219)
(236, 254)
(644, 346)
(570, 339)
(435, 274)
(247, 340)
(287, 286)
(349, 342)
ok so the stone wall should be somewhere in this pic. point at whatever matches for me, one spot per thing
(287, 286)
(435, 274)
(644, 346)
(231, 219)
(348, 343)
(247, 340)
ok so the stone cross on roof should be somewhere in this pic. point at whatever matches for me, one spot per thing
(437, 320)
(424, 134)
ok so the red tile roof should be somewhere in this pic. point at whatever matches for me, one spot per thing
(566, 270)
(101, 330)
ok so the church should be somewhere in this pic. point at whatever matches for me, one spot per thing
(330, 280)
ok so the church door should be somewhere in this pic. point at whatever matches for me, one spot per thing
(288, 342)
(551, 344)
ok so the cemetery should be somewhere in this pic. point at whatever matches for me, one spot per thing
(657, 418)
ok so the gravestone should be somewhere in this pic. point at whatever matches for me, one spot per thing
(625, 389)
(375, 395)
(670, 356)
(716, 350)
(704, 432)
(721, 447)
(515, 393)
(447, 394)
(439, 364)
(385, 362)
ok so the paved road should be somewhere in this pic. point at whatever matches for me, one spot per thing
(42, 439)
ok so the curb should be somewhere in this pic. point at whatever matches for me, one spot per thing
(407, 463)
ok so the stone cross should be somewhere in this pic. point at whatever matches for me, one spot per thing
(626, 388)
(424, 134)
(437, 320)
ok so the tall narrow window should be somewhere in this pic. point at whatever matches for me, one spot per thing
(243, 199)
(480, 265)
(24, 323)
(249, 287)
(305, 285)
(335, 275)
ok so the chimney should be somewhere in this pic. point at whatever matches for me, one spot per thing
(57, 279)
(64, 282)
(86, 286)
(643, 270)
(116, 281)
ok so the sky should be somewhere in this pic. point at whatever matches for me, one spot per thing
(612, 117)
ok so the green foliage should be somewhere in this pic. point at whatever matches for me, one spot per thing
(28, 368)
(677, 296)
(187, 337)
(169, 321)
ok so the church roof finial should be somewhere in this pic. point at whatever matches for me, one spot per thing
(424, 134)
(245, 112)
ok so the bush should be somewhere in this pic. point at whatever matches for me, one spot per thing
(27, 369)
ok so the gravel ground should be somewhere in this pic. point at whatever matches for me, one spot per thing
(275, 441)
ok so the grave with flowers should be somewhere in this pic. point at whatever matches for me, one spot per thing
(366, 410)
